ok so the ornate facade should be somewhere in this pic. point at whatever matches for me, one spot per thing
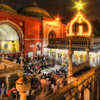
(31, 33)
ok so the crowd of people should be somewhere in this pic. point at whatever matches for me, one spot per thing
(46, 83)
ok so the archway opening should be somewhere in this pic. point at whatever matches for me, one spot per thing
(9, 39)
(51, 37)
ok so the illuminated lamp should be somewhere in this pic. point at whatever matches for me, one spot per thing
(79, 5)
(54, 22)
(57, 19)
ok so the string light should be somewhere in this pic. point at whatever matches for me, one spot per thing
(79, 18)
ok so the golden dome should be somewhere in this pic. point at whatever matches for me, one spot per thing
(35, 12)
(7, 8)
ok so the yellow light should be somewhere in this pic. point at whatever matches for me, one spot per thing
(80, 30)
(79, 5)
(79, 18)
(49, 25)
(54, 22)
(57, 19)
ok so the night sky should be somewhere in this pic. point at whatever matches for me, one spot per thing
(63, 7)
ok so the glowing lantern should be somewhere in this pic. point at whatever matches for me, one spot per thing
(80, 20)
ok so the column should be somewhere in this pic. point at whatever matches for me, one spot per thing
(98, 89)
(69, 62)
(21, 65)
(7, 83)
(21, 62)
(23, 96)
(87, 50)
(80, 95)
(86, 94)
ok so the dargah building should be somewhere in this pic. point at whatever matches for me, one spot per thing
(25, 30)
(34, 32)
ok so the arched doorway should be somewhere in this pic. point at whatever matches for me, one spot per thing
(51, 37)
(86, 94)
(10, 38)
(38, 48)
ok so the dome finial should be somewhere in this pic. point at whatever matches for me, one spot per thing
(35, 3)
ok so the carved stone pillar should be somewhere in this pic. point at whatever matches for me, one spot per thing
(80, 95)
(7, 83)
(98, 89)
(92, 92)
(23, 96)
(21, 65)
(86, 94)
(69, 62)
(21, 61)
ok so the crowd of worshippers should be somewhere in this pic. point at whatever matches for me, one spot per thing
(35, 64)
(50, 82)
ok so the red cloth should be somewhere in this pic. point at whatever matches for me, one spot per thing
(38, 67)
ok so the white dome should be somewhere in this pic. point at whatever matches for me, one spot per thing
(8, 33)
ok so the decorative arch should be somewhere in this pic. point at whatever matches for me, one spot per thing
(51, 35)
(16, 28)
